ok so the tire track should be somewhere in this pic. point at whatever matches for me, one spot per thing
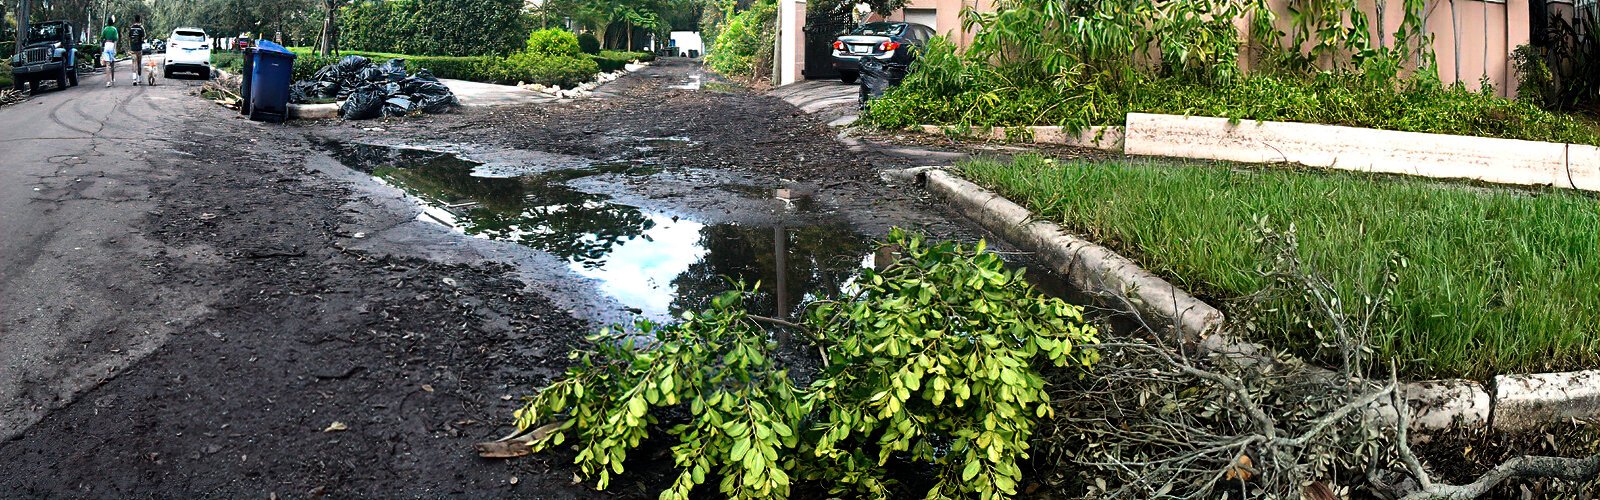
(55, 117)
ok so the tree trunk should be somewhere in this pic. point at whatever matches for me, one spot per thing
(629, 48)
(329, 30)
(22, 24)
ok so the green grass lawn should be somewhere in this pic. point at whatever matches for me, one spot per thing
(1495, 280)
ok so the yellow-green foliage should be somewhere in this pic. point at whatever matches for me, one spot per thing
(933, 361)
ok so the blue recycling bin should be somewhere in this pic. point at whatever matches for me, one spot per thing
(271, 72)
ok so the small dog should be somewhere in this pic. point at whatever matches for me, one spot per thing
(150, 71)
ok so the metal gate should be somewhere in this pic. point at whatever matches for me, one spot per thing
(821, 29)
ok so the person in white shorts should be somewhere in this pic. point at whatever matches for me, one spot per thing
(108, 51)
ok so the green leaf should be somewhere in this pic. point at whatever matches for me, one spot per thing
(971, 470)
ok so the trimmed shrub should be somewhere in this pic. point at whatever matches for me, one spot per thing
(530, 67)
(552, 42)
(588, 43)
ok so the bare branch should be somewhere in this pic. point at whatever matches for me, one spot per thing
(1569, 469)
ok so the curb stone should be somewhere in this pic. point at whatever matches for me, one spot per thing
(1088, 267)
(1524, 401)
(1517, 403)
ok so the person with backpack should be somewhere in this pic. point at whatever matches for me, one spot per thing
(108, 50)
(136, 47)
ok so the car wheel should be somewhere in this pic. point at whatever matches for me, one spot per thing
(166, 72)
(72, 77)
(848, 77)
(61, 78)
(17, 85)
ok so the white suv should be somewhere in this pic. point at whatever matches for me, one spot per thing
(188, 50)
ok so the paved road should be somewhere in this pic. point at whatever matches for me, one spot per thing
(76, 305)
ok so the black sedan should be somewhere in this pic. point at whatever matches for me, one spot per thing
(884, 41)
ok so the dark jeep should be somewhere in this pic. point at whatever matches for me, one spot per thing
(48, 53)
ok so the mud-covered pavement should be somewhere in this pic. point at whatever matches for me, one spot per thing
(250, 285)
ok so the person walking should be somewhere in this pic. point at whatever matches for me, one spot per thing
(136, 48)
(108, 50)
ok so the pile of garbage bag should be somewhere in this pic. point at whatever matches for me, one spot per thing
(373, 90)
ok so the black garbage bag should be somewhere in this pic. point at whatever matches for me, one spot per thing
(298, 91)
(329, 73)
(394, 70)
(433, 97)
(325, 90)
(370, 90)
(397, 106)
(370, 74)
(366, 102)
(877, 77)
(349, 65)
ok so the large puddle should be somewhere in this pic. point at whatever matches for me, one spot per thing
(655, 263)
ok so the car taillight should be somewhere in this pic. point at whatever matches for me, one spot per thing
(838, 45)
(888, 46)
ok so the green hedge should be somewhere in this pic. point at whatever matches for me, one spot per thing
(520, 67)
(434, 27)
(232, 62)
(613, 60)
(526, 67)
(588, 43)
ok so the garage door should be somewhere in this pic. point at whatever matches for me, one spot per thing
(925, 17)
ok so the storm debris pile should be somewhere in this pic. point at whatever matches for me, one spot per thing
(8, 96)
(373, 90)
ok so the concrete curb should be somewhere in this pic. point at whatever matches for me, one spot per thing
(1444, 156)
(1513, 403)
(1089, 267)
(1441, 156)
(1105, 138)
(314, 111)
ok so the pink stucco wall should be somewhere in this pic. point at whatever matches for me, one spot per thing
(1488, 30)
(948, 13)
(1487, 36)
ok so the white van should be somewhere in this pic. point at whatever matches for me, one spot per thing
(188, 50)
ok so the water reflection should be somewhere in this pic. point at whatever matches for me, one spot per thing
(656, 264)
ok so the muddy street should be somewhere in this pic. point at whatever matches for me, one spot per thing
(407, 280)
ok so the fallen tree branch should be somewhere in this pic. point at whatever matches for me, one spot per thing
(1570, 469)
(804, 332)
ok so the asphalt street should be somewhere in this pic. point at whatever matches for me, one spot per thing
(76, 305)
